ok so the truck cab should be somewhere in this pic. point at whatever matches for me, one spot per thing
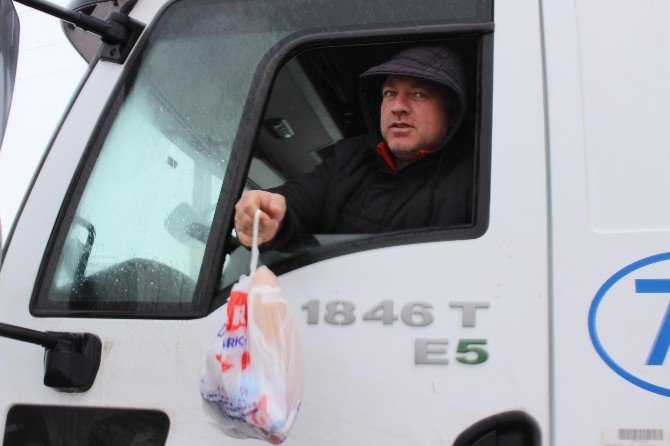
(541, 322)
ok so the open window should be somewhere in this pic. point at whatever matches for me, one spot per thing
(313, 104)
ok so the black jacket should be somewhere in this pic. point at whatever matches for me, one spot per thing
(355, 191)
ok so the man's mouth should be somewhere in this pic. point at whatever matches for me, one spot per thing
(400, 125)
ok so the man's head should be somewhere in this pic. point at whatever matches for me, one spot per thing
(414, 115)
(416, 99)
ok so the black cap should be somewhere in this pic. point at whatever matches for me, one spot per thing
(436, 63)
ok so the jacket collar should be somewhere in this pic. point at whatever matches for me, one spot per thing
(385, 153)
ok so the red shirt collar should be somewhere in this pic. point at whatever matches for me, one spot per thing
(385, 153)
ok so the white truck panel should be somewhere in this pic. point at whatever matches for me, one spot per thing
(602, 193)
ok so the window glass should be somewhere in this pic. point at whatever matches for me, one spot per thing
(83, 426)
(139, 231)
(140, 227)
(141, 218)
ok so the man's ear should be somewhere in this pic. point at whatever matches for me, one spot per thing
(451, 100)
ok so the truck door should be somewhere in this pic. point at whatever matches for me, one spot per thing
(409, 336)
(610, 237)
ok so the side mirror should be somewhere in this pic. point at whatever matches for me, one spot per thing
(71, 360)
(185, 226)
(9, 53)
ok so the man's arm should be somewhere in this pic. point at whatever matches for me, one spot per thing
(292, 208)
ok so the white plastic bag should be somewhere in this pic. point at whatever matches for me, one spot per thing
(254, 373)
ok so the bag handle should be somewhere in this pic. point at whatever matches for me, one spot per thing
(253, 265)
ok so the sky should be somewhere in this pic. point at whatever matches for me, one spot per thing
(49, 70)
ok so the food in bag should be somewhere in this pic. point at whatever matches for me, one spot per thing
(254, 373)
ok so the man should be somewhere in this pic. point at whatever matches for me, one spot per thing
(406, 173)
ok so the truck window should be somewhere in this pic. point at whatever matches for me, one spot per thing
(145, 229)
(314, 103)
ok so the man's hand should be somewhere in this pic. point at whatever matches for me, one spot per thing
(273, 209)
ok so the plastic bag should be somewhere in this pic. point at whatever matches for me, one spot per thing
(254, 373)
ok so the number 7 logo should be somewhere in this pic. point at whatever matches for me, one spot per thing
(660, 348)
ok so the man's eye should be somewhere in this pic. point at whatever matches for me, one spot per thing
(420, 94)
(388, 93)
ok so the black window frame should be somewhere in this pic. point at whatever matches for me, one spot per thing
(206, 296)
(483, 123)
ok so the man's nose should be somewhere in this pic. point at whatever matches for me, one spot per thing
(400, 105)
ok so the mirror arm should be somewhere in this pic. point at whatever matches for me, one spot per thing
(46, 340)
(119, 32)
(110, 32)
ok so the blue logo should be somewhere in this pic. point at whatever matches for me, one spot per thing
(234, 342)
(618, 313)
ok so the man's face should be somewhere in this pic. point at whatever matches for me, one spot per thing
(414, 116)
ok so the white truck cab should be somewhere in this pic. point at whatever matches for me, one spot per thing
(544, 321)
